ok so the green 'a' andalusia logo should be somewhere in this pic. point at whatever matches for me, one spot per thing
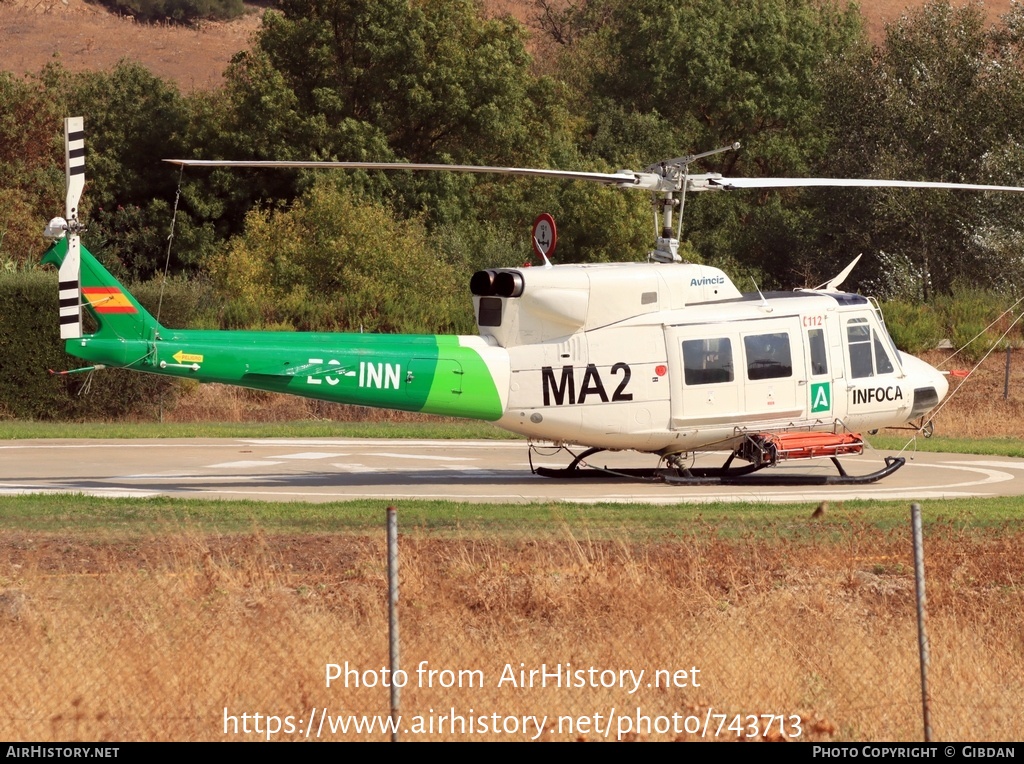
(821, 397)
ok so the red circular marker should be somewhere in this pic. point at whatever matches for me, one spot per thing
(661, 370)
(545, 235)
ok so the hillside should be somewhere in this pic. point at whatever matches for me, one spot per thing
(86, 36)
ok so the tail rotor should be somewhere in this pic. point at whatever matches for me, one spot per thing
(69, 275)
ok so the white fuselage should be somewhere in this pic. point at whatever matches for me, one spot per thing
(672, 358)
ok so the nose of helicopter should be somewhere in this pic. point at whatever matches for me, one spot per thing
(929, 384)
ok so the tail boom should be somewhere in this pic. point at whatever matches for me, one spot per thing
(435, 374)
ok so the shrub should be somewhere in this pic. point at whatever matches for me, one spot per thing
(30, 344)
(177, 10)
(974, 320)
(913, 327)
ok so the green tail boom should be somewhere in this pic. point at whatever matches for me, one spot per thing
(435, 374)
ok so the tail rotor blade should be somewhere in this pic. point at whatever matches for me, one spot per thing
(70, 293)
(74, 162)
(69, 275)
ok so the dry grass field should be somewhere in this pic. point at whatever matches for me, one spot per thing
(117, 639)
(975, 406)
(83, 36)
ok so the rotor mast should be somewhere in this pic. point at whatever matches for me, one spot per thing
(675, 174)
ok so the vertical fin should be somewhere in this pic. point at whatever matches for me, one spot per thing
(69, 277)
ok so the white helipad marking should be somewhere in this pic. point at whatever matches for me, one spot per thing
(446, 476)
(1000, 465)
(427, 458)
(244, 464)
(467, 470)
(311, 455)
(992, 476)
(289, 475)
(184, 481)
(347, 495)
(776, 498)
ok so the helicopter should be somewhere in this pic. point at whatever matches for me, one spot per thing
(661, 357)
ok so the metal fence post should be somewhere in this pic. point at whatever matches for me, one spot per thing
(396, 691)
(1006, 379)
(922, 635)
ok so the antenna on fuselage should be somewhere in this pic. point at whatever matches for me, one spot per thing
(764, 301)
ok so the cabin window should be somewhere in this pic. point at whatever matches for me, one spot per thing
(768, 356)
(707, 362)
(819, 357)
(490, 311)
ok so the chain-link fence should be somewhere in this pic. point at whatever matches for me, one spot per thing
(802, 630)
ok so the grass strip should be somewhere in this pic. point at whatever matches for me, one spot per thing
(78, 514)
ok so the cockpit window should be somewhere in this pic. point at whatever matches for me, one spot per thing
(858, 335)
(882, 362)
(868, 356)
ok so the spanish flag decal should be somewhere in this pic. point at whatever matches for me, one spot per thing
(108, 300)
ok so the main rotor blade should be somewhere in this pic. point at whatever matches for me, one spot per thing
(649, 181)
(730, 183)
(626, 178)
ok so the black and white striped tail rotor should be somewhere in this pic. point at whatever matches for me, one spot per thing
(68, 276)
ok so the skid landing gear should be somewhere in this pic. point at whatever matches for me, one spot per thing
(677, 473)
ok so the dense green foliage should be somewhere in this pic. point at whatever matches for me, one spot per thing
(625, 83)
(31, 173)
(30, 344)
(658, 78)
(941, 100)
(331, 262)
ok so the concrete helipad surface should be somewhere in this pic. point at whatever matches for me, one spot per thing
(325, 469)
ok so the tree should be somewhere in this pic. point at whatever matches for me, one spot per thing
(31, 180)
(658, 79)
(416, 80)
(333, 261)
(942, 100)
(353, 79)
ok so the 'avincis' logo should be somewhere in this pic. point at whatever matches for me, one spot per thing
(707, 281)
